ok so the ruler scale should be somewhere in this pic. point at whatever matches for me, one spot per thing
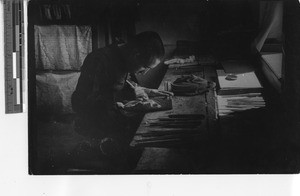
(14, 55)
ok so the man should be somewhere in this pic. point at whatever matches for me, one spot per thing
(103, 82)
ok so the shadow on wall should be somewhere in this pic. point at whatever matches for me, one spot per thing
(172, 20)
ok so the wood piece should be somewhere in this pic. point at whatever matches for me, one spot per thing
(176, 125)
(175, 122)
(187, 116)
(211, 101)
(169, 136)
(160, 133)
(178, 120)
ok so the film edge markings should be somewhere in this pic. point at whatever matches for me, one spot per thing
(14, 41)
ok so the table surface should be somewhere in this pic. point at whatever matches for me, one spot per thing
(178, 155)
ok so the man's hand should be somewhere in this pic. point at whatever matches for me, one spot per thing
(144, 93)
(140, 93)
(157, 93)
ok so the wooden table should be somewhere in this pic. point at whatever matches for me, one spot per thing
(180, 156)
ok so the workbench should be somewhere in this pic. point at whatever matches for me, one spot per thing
(181, 155)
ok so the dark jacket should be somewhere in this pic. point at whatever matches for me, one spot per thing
(102, 78)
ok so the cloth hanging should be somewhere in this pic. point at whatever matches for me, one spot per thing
(271, 23)
(54, 91)
(62, 47)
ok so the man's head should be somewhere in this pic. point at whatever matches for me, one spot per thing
(145, 51)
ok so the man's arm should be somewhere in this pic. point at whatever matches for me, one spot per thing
(145, 93)
(92, 91)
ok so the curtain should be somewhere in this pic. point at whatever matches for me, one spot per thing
(59, 47)
(270, 22)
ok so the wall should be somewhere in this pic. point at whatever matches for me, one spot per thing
(172, 20)
(224, 27)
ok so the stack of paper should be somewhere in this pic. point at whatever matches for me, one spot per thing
(243, 83)
(228, 104)
(190, 61)
(239, 91)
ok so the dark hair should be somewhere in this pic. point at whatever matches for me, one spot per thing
(149, 45)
